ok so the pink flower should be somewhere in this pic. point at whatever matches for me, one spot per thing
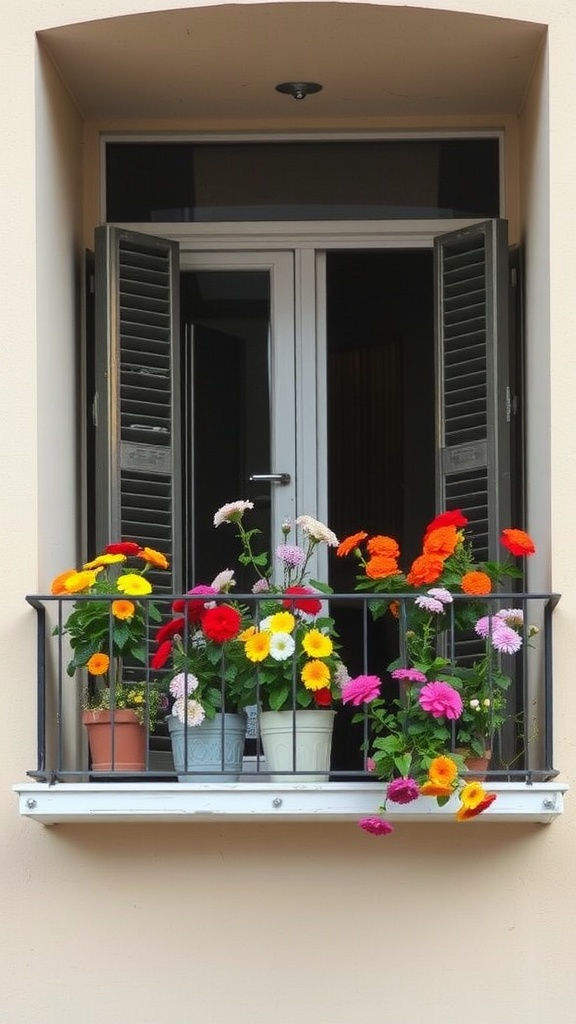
(370, 764)
(361, 690)
(440, 700)
(376, 826)
(506, 640)
(194, 609)
(402, 791)
(411, 675)
(429, 604)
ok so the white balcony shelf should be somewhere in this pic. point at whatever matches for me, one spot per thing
(52, 804)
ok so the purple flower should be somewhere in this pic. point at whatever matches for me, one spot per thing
(429, 604)
(506, 640)
(402, 791)
(291, 554)
(376, 826)
(361, 690)
(441, 594)
(440, 700)
(411, 675)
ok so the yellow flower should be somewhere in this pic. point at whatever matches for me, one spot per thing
(315, 675)
(249, 631)
(282, 622)
(59, 582)
(443, 771)
(257, 646)
(98, 664)
(123, 609)
(472, 795)
(133, 584)
(317, 644)
(104, 560)
(155, 558)
(80, 581)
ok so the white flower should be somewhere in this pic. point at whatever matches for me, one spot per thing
(486, 702)
(264, 624)
(317, 531)
(183, 682)
(232, 512)
(441, 594)
(192, 714)
(512, 617)
(474, 703)
(341, 675)
(429, 604)
(282, 645)
(261, 586)
(224, 581)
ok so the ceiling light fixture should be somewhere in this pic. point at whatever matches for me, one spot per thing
(298, 90)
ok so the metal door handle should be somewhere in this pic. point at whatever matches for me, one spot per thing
(270, 478)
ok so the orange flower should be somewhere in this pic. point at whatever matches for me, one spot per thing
(431, 788)
(394, 608)
(518, 542)
(80, 581)
(476, 583)
(470, 812)
(58, 586)
(122, 609)
(443, 770)
(155, 558)
(385, 546)
(98, 664)
(441, 541)
(381, 566)
(315, 675)
(425, 569)
(349, 543)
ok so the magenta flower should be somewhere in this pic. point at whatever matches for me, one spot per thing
(376, 826)
(440, 700)
(402, 791)
(361, 690)
(410, 675)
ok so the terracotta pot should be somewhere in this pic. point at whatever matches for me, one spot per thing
(478, 765)
(116, 743)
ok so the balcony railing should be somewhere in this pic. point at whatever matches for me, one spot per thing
(522, 746)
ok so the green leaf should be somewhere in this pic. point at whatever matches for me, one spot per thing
(278, 697)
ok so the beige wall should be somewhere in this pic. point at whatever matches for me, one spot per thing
(263, 924)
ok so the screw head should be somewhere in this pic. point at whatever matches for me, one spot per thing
(30, 803)
(277, 802)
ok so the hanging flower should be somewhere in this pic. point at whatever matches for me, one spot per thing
(376, 826)
(402, 791)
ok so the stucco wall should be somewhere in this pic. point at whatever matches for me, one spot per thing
(261, 923)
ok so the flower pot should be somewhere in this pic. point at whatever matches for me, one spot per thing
(475, 764)
(299, 742)
(117, 740)
(209, 752)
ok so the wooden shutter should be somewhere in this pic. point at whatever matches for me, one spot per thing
(473, 392)
(137, 400)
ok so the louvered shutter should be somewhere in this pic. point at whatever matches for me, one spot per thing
(137, 401)
(472, 362)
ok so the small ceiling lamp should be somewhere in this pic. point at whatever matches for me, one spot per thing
(298, 90)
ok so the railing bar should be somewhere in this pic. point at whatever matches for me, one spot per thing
(41, 688)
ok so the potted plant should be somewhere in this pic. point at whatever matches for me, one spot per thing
(107, 633)
(443, 701)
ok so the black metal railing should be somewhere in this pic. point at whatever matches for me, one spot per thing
(523, 743)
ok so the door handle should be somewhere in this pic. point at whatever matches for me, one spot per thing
(269, 478)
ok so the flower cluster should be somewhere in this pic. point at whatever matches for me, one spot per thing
(442, 704)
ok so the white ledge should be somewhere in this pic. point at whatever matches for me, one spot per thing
(257, 801)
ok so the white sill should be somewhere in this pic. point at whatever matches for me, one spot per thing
(265, 801)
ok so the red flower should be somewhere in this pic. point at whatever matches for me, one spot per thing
(454, 518)
(309, 605)
(517, 542)
(169, 629)
(160, 657)
(124, 547)
(193, 609)
(470, 812)
(221, 623)
(323, 697)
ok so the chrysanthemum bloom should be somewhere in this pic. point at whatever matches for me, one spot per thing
(505, 639)
(410, 675)
(124, 547)
(224, 581)
(431, 788)
(160, 657)
(517, 542)
(291, 555)
(464, 813)
(361, 690)
(441, 700)
(383, 545)
(78, 582)
(476, 583)
(133, 585)
(317, 644)
(184, 683)
(376, 826)
(441, 541)
(103, 560)
(282, 646)
(323, 697)
(232, 512)
(350, 543)
(58, 583)
(317, 531)
(257, 646)
(123, 610)
(315, 675)
(309, 605)
(153, 557)
(98, 664)
(425, 569)
(453, 518)
(169, 629)
(379, 567)
(429, 604)
(190, 712)
(443, 770)
(280, 622)
(221, 623)
(402, 791)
